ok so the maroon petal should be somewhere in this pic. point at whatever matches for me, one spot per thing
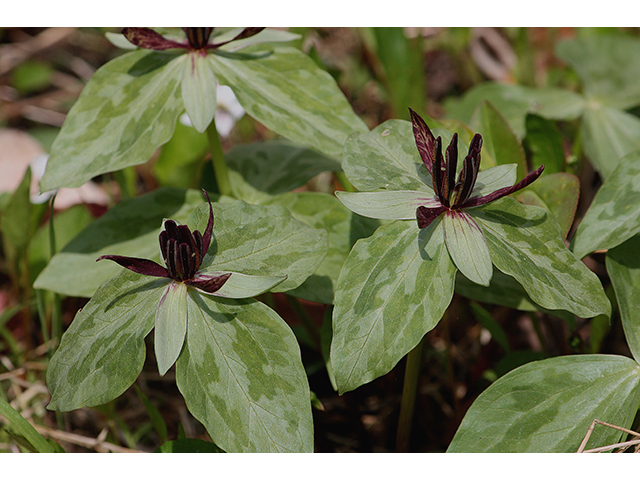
(147, 38)
(502, 192)
(209, 283)
(206, 238)
(425, 141)
(245, 33)
(427, 215)
(138, 265)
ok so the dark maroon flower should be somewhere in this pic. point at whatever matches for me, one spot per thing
(454, 194)
(197, 38)
(182, 252)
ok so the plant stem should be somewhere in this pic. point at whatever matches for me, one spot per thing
(344, 181)
(409, 392)
(217, 158)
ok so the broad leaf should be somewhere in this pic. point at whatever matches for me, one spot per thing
(261, 240)
(390, 205)
(239, 285)
(102, 352)
(391, 291)
(614, 214)
(199, 89)
(291, 95)
(544, 144)
(127, 110)
(467, 247)
(548, 406)
(242, 377)
(623, 267)
(525, 242)
(170, 325)
(130, 228)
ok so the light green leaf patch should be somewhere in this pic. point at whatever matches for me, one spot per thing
(170, 325)
(467, 246)
(239, 285)
(127, 110)
(390, 205)
(199, 89)
(525, 242)
(495, 178)
(549, 405)
(614, 214)
(242, 376)
(102, 352)
(393, 288)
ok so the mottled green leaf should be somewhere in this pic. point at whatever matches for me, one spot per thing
(239, 285)
(261, 240)
(609, 66)
(393, 288)
(623, 267)
(127, 110)
(549, 405)
(609, 134)
(170, 325)
(526, 243)
(544, 144)
(130, 228)
(390, 205)
(614, 214)
(102, 352)
(199, 89)
(242, 376)
(291, 95)
(467, 246)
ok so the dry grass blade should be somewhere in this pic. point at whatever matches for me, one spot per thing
(623, 446)
(98, 444)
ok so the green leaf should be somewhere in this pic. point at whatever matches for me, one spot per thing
(130, 228)
(170, 325)
(24, 428)
(199, 89)
(127, 110)
(526, 243)
(343, 228)
(390, 205)
(262, 169)
(548, 406)
(239, 285)
(614, 213)
(544, 144)
(102, 352)
(291, 95)
(623, 267)
(242, 376)
(180, 159)
(609, 66)
(499, 140)
(261, 240)
(393, 288)
(188, 445)
(609, 135)
(467, 247)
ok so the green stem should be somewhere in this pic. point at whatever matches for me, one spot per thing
(409, 392)
(344, 181)
(217, 158)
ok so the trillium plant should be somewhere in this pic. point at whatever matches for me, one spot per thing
(425, 210)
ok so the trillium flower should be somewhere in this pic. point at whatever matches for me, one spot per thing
(451, 198)
(197, 38)
(183, 252)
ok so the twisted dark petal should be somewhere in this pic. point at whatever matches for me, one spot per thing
(197, 239)
(138, 265)
(425, 141)
(162, 239)
(427, 215)
(528, 180)
(438, 172)
(172, 257)
(451, 166)
(186, 262)
(184, 235)
(245, 33)
(206, 238)
(198, 37)
(209, 283)
(147, 38)
(470, 169)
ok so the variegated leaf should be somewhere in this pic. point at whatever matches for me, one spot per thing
(390, 205)
(199, 89)
(467, 246)
(548, 406)
(393, 288)
(170, 325)
(102, 352)
(242, 376)
(526, 243)
(127, 110)
(614, 213)
(239, 285)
